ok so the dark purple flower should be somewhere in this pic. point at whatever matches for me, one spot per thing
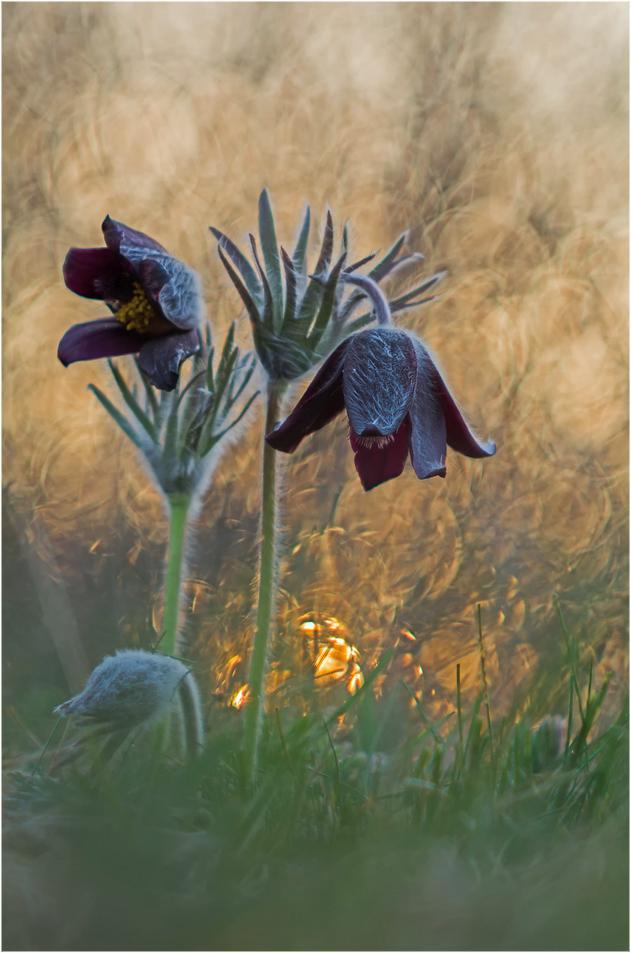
(396, 401)
(155, 299)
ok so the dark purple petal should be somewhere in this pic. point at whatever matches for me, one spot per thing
(173, 288)
(105, 337)
(379, 380)
(460, 437)
(128, 242)
(84, 269)
(153, 278)
(160, 357)
(180, 300)
(376, 464)
(321, 402)
(426, 421)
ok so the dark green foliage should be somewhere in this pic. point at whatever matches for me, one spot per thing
(515, 843)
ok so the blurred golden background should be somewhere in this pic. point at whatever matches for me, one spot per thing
(498, 133)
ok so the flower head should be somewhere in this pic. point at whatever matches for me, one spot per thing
(127, 688)
(397, 403)
(298, 317)
(154, 298)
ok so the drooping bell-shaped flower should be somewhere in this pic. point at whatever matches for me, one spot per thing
(396, 400)
(155, 300)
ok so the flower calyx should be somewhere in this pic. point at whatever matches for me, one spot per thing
(180, 432)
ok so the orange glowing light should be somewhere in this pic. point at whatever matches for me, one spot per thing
(232, 664)
(240, 697)
(356, 680)
(333, 657)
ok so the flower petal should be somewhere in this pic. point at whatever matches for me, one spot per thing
(460, 437)
(180, 300)
(380, 374)
(84, 268)
(129, 243)
(321, 402)
(376, 464)
(160, 357)
(426, 422)
(105, 337)
(172, 287)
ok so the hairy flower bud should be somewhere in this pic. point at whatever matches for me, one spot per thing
(296, 323)
(128, 688)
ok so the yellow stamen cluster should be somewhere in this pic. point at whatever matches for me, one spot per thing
(136, 314)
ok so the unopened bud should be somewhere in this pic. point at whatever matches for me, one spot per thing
(127, 688)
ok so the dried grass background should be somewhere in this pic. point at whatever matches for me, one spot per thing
(499, 134)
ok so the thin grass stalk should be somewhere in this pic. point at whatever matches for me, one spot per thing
(267, 587)
(571, 657)
(460, 731)
(486, 691)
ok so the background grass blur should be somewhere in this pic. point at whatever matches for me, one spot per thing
(499, 134)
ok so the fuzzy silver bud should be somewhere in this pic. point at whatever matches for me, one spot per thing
(128, 688)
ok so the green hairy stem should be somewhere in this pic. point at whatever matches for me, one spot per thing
(169, 643)
(267, 587)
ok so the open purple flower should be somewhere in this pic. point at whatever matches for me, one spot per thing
(155, 300)
(396, 401)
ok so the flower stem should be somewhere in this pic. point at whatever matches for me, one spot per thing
(267, 587)
(169, 643)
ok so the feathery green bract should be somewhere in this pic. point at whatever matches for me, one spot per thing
(298, 316)
(176, 432)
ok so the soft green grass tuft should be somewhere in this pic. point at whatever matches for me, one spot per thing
(463, 835)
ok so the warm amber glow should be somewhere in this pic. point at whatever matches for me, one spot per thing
(521, 197)
(333, 657)
(240, 697)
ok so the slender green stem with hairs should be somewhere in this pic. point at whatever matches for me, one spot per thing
(180, 506)
(267, 587)
(168, 643)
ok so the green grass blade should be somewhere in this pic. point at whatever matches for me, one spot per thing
(571, 657)
(484, 682)
(474, 718)
(460, 731)
(433, 728)
(379, 667)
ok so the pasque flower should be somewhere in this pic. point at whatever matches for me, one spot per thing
(296, 323)
(155, 300)
(396, 400)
